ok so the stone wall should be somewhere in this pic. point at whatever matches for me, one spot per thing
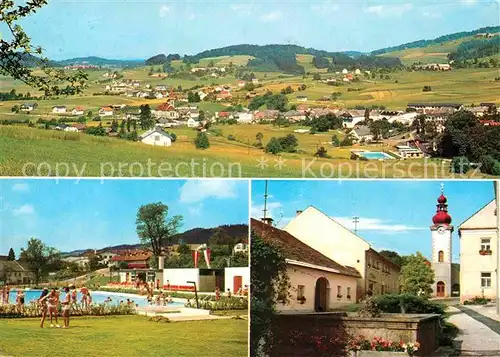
(339, 326)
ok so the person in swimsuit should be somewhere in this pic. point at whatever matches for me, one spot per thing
(89, 298)
(73, 295)
(84, 291)
(53, 302)
(21, 300)
(66, 306)
(217, 293)
(42, 301)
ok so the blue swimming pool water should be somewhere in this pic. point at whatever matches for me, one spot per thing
(375, 155)
(98, 297)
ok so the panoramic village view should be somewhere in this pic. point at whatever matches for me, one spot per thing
(418, 100)
(345, 277)
(86, 267)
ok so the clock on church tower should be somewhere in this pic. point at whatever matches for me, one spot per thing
(441, 232)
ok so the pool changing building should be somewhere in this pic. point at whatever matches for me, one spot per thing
(206, 280)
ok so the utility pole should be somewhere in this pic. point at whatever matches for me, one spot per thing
(265, 202)
(355, 220)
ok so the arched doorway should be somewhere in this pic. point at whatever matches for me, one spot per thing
(321, 295)
(440, 289)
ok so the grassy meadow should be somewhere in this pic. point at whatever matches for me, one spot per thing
(38, 152)
(118, 336)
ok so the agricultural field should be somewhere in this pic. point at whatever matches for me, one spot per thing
(465, 86)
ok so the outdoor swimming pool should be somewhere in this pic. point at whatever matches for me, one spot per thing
(98, 297)
(375, 155)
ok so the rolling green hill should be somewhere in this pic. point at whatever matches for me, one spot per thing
(437, 50)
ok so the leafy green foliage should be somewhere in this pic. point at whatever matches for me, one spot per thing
(201, 141)
(15, 52)
(417, 276)
(270, 100)
(465, 136)
(476, 49)
(154, 228)
(325, 122)
(460, 165)
(269, 280)
(322, 152)
(335, 140)
(288, 143)
(438, 40)
(39, 258)
(12, 255)
(408, 304)
(147, 121)
(393, 257)
(96, 131)
(320, 62)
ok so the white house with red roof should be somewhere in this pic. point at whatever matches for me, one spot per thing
(77, 111)
(166, 110)
(106, 112)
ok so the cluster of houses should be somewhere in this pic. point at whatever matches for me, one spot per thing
(75, 67)
(435, 67)
(14, 272)
(134, 265)
(344, 76)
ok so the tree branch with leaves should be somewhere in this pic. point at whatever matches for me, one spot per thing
(16, 51)
(154, 228)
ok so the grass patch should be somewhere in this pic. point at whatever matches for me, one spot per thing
(125, 336)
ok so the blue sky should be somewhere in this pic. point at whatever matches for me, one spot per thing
(142, 28)
(70, 214)
(393, 215)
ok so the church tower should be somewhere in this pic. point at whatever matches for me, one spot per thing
(441, 231)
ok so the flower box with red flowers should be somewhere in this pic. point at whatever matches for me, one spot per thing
(485, 252)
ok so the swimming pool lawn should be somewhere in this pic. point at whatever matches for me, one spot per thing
(120, 336)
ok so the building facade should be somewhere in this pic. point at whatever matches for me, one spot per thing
(317, 283)
(330, 238)
(479, 257)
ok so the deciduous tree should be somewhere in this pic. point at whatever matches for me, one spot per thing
(154, 228)
(39, 257)
(417, 276)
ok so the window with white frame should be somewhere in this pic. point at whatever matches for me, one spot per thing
(485, 280)
(157, 137)
(348, 292)
(339, 291)
(485, 244)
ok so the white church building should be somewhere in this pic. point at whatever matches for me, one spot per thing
(441, 232)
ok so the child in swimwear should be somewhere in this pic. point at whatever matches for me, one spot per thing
(53, 302)
(66, 306)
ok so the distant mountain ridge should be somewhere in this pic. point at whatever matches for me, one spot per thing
(192, 236)
(437, 40)
(99, 61)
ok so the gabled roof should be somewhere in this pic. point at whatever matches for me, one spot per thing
(296, 250)
(484, 218)
(153, 131)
